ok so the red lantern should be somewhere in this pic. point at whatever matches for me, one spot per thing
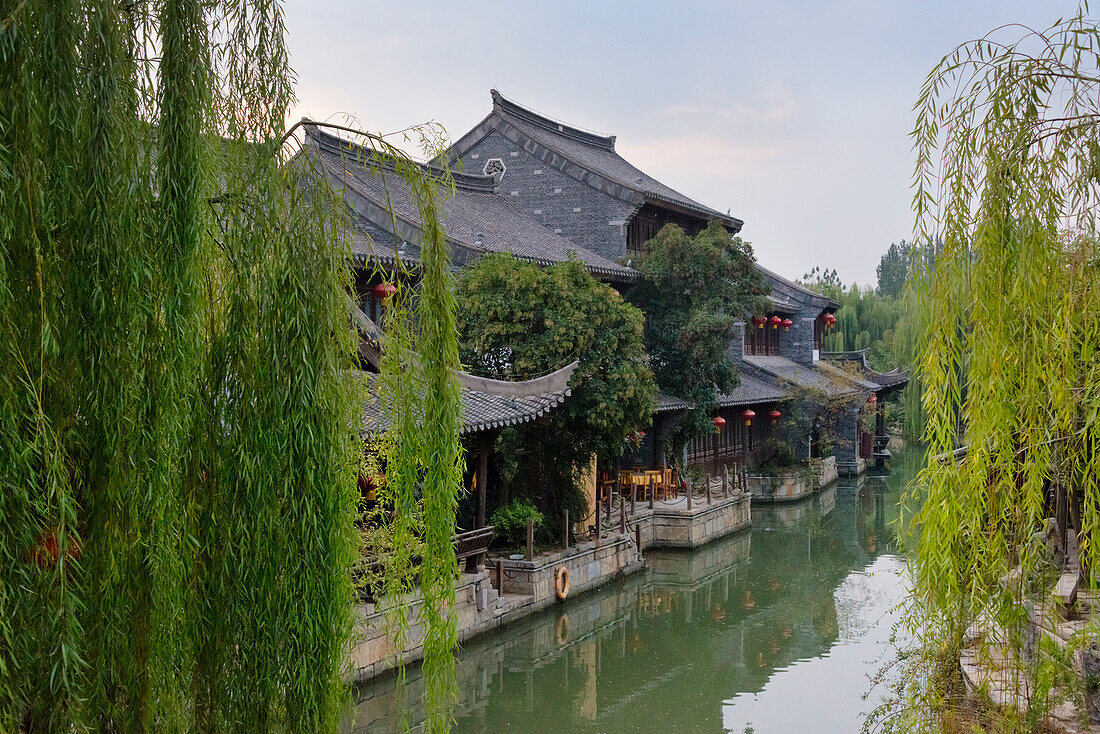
(748, 415)
(719, 421)
(384, 291)
(47, 549)
(872, 399)
(787, 324)
(774, 415)
(759, 321)
(775, 321)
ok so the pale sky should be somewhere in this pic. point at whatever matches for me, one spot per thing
(792, 115)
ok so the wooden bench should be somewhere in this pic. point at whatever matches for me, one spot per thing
(473, 547)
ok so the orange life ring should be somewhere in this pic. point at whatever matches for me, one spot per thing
(561, 582)
(561, 629)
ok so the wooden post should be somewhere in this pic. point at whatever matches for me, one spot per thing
(500, 576)
(707, 482)
(725, 481)
(609, 498)
(530, 538)
(633, 496)
(622, 515)
(687, 491)
(652, 487)
(565, 530)
(638, 537)
(482, 479)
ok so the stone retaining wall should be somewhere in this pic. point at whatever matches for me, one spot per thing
(477, 606)
(823, 471)
(588, 565)
(679, 527)
(852, 469)
(785, 487)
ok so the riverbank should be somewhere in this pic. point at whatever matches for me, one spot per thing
(513, 588)
(778, 627)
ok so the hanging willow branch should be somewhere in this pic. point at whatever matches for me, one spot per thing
(1008, 157)
(178, 448)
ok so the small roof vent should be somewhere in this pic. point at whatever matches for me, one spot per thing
(494, 167)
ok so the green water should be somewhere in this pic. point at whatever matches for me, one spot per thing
(776, 629)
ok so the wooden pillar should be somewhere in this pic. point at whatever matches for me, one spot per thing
(483, 475)
(530, 539)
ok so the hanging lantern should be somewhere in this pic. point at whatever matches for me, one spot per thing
(384, 290)
(759, 321)
(775, 321)
(787, 324)
(748, 415)
(718, 422)
(872, 399)
(774, 415)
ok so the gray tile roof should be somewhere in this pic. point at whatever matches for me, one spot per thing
(886, 380)
(481, 410)
(855, 377)
(588, 154)
(784, 291)
(830, 380)
(476, 219)
(670, 404)
(896, 378)
(751, 392)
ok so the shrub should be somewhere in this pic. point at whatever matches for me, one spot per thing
(510, 521)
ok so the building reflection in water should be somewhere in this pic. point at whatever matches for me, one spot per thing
(674, 647)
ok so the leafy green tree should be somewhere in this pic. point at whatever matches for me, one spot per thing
(893, 269)
(693, 291)
(177, 452)
(1007, 142)
(824, 281)
(518, 320)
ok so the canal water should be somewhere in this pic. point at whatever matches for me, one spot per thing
(776, 629)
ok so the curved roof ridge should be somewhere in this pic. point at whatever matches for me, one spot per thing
(475, 182)
(829, 302)
(596, 157)
(509, 107)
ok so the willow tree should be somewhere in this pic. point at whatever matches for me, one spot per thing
(177, 423)
(1008, 143)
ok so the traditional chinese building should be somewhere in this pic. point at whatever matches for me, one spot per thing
(574, 182)
(385, 228)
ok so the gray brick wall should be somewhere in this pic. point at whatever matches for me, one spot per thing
(736, 349)
(797, 344)
(563, 204)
